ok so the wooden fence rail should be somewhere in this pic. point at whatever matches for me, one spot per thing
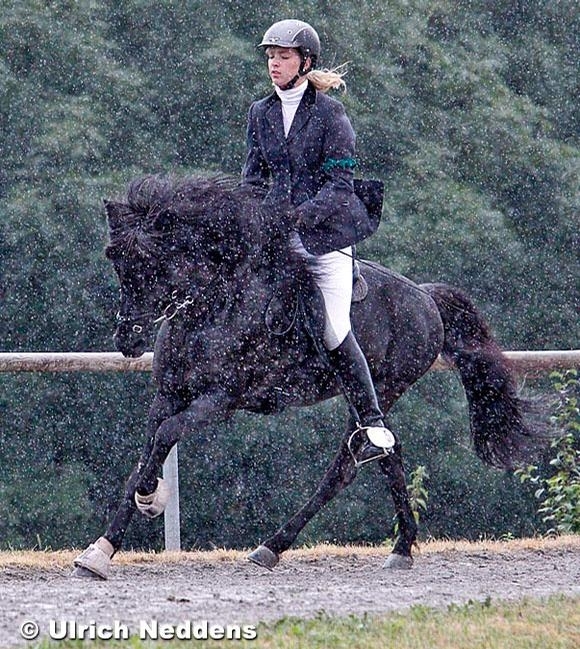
(523, 362)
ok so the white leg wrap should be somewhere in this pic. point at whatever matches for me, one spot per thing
(154, 504)
(96, 558)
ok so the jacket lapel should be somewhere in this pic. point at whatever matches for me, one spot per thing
(274, 121)
(304, 112)
(278, 156)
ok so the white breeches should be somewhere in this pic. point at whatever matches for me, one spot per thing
(332, 273)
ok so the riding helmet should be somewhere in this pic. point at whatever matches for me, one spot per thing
(295, 34)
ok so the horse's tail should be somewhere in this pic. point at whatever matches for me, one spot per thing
(506, 428)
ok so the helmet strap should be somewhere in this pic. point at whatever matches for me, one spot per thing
(292, 82)
(301, 73)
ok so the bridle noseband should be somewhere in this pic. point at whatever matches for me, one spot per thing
(127, 319)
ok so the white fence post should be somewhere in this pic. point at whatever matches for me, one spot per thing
(172, 519)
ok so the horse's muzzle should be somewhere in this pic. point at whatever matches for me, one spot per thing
(130, 343)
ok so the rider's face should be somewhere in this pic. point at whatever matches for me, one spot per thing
(283, 65)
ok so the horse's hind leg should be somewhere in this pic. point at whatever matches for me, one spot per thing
(392, 468)
(339, 475)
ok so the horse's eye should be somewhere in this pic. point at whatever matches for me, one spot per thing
(214, 256)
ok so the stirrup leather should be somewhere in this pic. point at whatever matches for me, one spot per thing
(378, 436)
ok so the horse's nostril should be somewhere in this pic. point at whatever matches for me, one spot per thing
(133, 352)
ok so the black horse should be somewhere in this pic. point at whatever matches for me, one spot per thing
(193, 255)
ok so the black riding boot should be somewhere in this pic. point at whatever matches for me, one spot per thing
(352, 369)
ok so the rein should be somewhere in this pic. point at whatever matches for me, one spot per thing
(401, 279)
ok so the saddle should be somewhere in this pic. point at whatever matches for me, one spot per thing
(290, 305)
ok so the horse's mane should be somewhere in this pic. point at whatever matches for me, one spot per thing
(160, 213)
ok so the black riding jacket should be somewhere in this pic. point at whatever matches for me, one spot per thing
(310, 171)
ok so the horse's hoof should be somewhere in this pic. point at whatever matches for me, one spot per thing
(85, 573)
(95, 561)
(154, 504)
(398, 562)
(264, 557)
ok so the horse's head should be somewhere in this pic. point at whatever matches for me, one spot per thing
(169, 244)
(138, 272)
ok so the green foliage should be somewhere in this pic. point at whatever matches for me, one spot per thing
(418, 495)
(559, 493)
(467, 111)
(58, 493)
(66, 445)
(418, 492)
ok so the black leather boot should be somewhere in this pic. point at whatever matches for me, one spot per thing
(352, 370)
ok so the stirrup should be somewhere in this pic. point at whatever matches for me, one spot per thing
(378, 437)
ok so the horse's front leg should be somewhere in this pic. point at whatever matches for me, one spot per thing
(165, 429)
(95, 560)
(339, 475)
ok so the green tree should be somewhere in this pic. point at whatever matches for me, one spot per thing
(467, 111)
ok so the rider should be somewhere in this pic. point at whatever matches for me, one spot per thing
(301, 149)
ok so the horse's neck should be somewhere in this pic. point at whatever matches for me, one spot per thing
(280, 264)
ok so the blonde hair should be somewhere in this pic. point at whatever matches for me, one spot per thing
(326, 79)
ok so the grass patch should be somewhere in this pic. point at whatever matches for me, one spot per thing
(553, 623)
(62, 559)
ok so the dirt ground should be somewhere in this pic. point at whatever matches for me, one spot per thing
(304, 584)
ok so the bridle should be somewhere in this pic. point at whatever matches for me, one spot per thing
(127, 319)
(172, 308)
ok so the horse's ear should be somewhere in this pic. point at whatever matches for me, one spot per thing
(116, 213)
